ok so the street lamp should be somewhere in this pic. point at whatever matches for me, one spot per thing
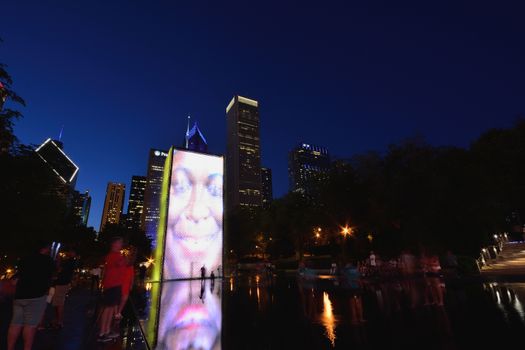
(346, 231)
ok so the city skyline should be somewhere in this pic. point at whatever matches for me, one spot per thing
(372, 79)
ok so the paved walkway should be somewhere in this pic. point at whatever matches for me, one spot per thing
(511, 261)
(79, 330)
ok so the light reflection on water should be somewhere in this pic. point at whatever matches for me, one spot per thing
(282, 313)
(328, 319)
(508, 298)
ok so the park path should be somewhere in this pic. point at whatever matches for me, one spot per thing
(79, 330)
(510, 262)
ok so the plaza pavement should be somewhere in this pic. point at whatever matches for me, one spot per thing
(510, 262)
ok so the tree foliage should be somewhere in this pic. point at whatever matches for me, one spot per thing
(413, 196)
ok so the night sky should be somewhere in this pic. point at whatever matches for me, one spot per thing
(123, 75)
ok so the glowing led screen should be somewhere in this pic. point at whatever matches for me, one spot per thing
(190, 316)
(193, 217)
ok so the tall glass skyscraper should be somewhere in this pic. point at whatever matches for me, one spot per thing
(136, 202)
(307, 165)
(82, 206)
(151, 210)
(243, 155)
(113, 204)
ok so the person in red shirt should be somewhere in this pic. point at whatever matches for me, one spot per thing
(112, 289)
(127, 283)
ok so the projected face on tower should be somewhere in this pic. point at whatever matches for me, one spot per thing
(190, 316)
(195, 210)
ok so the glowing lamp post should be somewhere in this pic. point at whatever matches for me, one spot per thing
(317, 234)
(345, 231)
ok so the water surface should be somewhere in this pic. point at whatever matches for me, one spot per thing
(257, 312)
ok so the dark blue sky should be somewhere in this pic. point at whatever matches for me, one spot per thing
(350, 75)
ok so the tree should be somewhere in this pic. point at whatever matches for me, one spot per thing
(29, 209)
(7, 115)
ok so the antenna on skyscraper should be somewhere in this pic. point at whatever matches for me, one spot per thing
(188, 131)
(61, 131)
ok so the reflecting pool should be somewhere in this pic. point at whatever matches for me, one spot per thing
(261, 312)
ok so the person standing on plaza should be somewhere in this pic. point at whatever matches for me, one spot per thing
(33, 280)
(333, 268)
(127, 283)
(95, 278)
(62, 286)
(112, 289)
(373, 262)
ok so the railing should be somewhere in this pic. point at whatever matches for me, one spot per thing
(491, 253)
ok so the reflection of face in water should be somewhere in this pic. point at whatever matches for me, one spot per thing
(188, 321)
(194, 232)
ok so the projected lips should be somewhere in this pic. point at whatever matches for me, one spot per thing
(190, 316)
(195, 210)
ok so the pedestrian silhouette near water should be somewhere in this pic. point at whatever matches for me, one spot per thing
(95, 278)
(212, 283)
(203, 272)
(333, 268)
(62, 285)
(202, 294)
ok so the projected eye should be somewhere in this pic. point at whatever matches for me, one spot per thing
(181, 184)
(215, 186)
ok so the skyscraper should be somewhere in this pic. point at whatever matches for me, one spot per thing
(194, 140)
(151, 210)
(136, 202)
(81, 206)
(267, 190)
(113, 204)
(307, 166)
(64, 168)
(61, 166)
(243, 157)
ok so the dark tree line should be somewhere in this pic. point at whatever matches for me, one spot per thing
(31, 208)
(414, 196)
